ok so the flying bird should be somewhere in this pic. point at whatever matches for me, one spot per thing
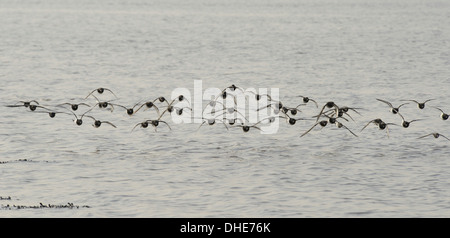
(435, 135)
(100, 91)
(420, 105)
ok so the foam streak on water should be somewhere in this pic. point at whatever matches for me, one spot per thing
(349, 52)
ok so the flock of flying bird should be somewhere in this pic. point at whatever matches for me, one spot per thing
(330, 113)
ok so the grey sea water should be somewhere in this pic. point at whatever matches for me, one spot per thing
(350, 52)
